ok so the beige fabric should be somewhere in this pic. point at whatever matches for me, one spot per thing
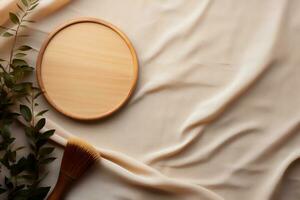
(45, 8)
(216, 114)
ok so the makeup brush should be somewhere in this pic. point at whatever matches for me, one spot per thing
(78, 157)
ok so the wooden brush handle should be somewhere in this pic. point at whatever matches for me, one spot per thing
(62, 185)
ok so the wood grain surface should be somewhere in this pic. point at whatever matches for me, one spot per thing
(87, 69)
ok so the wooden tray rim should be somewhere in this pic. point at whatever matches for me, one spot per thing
(52, 35)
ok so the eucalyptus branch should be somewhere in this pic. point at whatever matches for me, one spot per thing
(27, 171)
(13, 47)
(37, 139)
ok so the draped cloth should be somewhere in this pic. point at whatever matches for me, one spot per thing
(216, 112)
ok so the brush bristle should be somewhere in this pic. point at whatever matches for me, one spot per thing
(78, 157)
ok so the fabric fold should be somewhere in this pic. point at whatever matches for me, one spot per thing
(215, 114)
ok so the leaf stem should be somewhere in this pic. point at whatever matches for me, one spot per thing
(11, 29)
(15, 40)
(32, 108)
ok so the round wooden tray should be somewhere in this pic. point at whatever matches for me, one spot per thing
(87, 69)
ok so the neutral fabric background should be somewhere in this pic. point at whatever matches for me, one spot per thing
(216, 113)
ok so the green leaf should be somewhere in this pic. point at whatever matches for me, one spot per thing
(35, 1)
(29, 132)
(22, 87)
(3, 70)
(19, 148)
(39, 193)
(29, 21)
(19, 62)
(5, 161)
(8, 183)
(25, 3)
(14, 18)
(26, 113)
(33, 7)
(19, 167)
(12, 156)
(36, 88)
(2, 190)
(24, 48)
(41, 113)
(20, 71)
(41, 142)
(43, 176)
(28, 176)
(46, 151)
(19, 188)
(31, 163)
(7, 34)
(8, 80)
(22, 194)
(47, 160)
(23, 26)
(32, 147)
(38, 94)
(48, 134)
(3, 27)
(19, 6)
(40, 124)
(19, 55)
(27, 99)
(11, 140)
(27, 68)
